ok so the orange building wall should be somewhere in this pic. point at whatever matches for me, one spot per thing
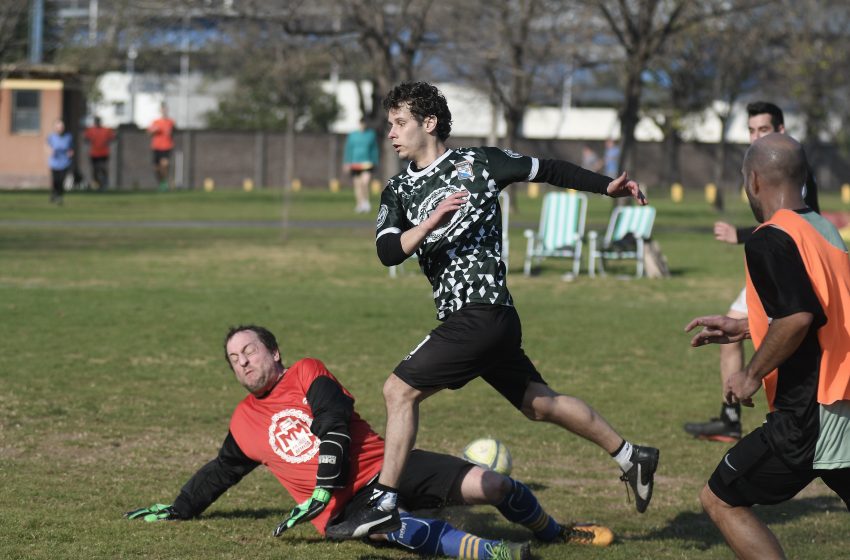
(23, 157)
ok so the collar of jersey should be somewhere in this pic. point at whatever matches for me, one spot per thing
(436, 162)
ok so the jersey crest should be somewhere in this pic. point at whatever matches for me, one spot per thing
(464, 170)
(432, 201)
(290, 436)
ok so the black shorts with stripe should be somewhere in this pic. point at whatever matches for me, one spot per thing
(430, 481)
(478, 340)
(751, 473)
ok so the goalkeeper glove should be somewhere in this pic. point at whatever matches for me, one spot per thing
(305, 511)
(157, 512)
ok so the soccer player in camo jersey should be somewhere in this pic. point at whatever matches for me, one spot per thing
(444, 207)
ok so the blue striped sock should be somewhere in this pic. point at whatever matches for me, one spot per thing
(436, 537)
(521, 506)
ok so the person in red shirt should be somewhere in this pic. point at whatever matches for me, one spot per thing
(300, 422)
(162, 143)
(98, 138)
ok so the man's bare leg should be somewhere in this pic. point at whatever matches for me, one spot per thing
(745, 533)
(638, 463)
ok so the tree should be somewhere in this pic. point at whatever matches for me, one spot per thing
(643, 28)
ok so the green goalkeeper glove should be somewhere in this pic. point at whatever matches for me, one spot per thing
(157, 512)
(305, 511)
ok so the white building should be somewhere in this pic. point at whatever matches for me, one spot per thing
(125, 100)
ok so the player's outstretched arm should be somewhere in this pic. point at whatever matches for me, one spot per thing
(718, 329)
(622, 186)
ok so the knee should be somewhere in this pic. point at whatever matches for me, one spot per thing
(397, 392)
(711, 504)
(539, 409)
(495, 487)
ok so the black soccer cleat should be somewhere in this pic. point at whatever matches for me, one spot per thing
(368, 520)
(716, 429)
(641, 476)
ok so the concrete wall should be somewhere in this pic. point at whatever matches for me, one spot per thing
(228, 158)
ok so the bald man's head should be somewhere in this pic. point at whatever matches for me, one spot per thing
(776, 164)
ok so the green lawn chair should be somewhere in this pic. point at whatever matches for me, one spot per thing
(629, 228)
(560, 232)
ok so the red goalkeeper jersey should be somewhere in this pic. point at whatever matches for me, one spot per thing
(275, 431)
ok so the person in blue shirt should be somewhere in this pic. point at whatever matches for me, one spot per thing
(361, 156)
(61, 145)
(612, 158)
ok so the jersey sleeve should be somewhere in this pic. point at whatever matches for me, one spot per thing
(391, 216)
(332, 407)
(213, 479)
(779, 276)
(506, 166)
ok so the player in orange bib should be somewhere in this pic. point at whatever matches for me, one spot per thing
(798, 300)
(300, 422)
(162, 143)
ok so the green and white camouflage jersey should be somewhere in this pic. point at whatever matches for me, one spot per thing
(462, 259)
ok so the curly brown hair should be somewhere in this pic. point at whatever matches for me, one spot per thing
(423, 100)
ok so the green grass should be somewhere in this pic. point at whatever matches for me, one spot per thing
(113, 390)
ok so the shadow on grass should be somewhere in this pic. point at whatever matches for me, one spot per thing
(698, 529)
(263, 513)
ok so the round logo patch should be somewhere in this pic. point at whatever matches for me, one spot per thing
(382, 215)
(432, 201)
(290, 436)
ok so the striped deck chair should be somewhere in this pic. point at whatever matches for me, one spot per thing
(628, 229)
(560, 232)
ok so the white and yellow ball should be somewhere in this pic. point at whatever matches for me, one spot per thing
(490, 454)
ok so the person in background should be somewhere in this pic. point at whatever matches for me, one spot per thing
(612, 158)
(590, 160)
(98, 138)
(162, 143)
(360, 158)
(61, 153)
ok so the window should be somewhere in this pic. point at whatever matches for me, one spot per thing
(26, 110)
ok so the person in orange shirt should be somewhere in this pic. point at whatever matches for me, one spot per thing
(162, 142)
(798, 302)
(98, 138)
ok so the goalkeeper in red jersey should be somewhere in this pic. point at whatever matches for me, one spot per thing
(300, 422)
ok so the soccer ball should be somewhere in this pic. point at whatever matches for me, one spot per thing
(489, 453)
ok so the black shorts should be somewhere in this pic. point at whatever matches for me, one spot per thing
(430, 481)
(478, 340)
(159, 155)
(751, 473)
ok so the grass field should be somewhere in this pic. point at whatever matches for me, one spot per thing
(113, 388)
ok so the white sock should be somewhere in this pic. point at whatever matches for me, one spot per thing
(624, 456)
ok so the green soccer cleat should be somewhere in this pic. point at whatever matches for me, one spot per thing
(504, 550)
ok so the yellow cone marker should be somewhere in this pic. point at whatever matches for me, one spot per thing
(677, 193)
(710, 193)
(209, 184)
(845, 193)
(533, 190)
(247, 185)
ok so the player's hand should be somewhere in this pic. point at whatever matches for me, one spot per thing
(444, 211)
(725, 232)
(718, 329)
(156, 512)
(623, 186)
(739, 388)
(305, 511)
